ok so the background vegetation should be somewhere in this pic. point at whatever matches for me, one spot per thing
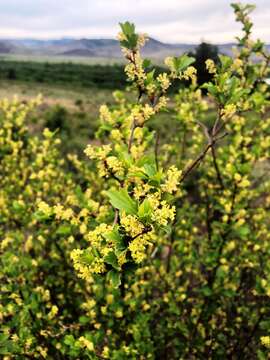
(158, 246)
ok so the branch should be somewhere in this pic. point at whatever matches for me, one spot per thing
(156, 149)
(195, 163)
(131, 136)
(216, 167)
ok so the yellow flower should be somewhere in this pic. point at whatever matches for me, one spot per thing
(105, 114)
(86, 343)
(115, 165)
(210, 66)
(163, 214)
(132, 225)
(237, 177)
(109, 298)
(190, 73)
(164, 81)
(173, 178)
(228, 111)
(119, 313)
(53, 312)
(265, 340)
(44, 207)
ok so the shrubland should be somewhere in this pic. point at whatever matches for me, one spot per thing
(156, 247)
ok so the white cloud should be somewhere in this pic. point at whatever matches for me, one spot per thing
(170, 20)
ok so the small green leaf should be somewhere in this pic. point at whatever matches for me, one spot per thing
(122, 201)
(64, 230)
(128, 30)
(117, 239)
(69, 340)
(145, 210)
(150, 169)
(182, 62)
(146, 63)
(111, 259)
(114, 278)
(83, 320)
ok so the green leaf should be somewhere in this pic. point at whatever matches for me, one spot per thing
(113, 235)
(150, 77)
(243, 231)
(212, 89)
(122, 201)
(145, 210)
(182, 62)
(64, 230)
(150, 169)
(117, 239)
(206, 291)
(115, 278)
(225, 60)
(83, 320)
(111, 259)
(128, 30)
(146, 63)
(69, 340)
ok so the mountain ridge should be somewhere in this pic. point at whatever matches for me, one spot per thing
(100, 47)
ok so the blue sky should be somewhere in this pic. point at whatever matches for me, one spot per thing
(168, 20)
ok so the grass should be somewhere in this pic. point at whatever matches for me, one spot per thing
(56, 94)
(73, 110)
(58, 59)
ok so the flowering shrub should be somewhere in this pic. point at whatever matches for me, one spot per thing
(169, 239)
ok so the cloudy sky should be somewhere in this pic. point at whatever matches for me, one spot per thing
(187, 21)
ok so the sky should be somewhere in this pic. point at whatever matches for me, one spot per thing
(174, 21)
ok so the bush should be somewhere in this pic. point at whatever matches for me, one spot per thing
(170, 241)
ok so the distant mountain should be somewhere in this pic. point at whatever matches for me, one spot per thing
(104, 48)
(7, 47)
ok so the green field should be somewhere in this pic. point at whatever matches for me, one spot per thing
(64, 73)
(61, 59)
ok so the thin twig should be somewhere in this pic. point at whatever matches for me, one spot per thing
(216, 167)
(195, 163)
(116, 217)
(156, 149)
(131, 136)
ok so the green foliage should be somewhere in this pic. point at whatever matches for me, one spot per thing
(157, 248)
(130, 38)
(122, 201)
(203, 52)
(70, 74)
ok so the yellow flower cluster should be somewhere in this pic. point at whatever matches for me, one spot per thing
(190, 73)
(163, 213)
(228, 111)
(96, 236)
(164, 81)
(86, 343)
(115, 165)
(138, 246)
(162, 103)
(85, 269)
(237, 66)
(97, 152)
(135, 71)
(61, 213)
(169, 62)
(53, 312)
(210, 66)
(140, 114)
(265, 340)
(132, 225)
(172, 181)
(105, 114)
(44, 208)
